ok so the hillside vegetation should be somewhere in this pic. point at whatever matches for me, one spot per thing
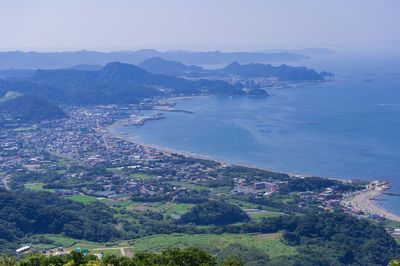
(31, 107)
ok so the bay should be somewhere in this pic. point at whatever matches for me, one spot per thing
(346, 128)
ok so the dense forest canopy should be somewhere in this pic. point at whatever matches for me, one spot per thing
(44, 213)
(214, 212)
(32, 107)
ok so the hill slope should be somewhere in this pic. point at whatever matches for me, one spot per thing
(40, 212)
(121, 83)
(31, 108)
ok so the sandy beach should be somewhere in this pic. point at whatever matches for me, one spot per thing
(364, 201)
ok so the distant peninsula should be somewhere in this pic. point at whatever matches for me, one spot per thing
(37, 96)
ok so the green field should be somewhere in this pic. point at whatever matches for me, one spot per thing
(178, 209)
(258, 217)
(142, 176)
(392, 224)
(82, 199)
(58, 241)
(269, 243)
(126, 204)
(243, 204)
(222, 190)
(39, 187)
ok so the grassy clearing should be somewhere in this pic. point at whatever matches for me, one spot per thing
(116, 252)
(243, 204)
(126, 204)
(178, 209)
(222, 190)
(258, 217)
(159, 206)
(58, 241)
(392, 224)
(71, 244)
(142, 176)
(270, 243)
(82, 199)
(34, 187)
(39, 187)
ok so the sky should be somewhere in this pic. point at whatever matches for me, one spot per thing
(110, 25)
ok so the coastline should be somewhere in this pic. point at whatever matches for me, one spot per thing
(193, 155)
(363, 201)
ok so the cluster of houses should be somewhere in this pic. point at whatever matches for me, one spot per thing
(83, 142)
(330, 198)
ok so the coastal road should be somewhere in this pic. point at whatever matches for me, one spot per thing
(99, 129)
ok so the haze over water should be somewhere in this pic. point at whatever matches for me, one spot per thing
(346, 128)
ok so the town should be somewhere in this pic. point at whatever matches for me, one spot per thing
(78, 157)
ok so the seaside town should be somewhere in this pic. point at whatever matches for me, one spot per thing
(66, 156)
(80, 159)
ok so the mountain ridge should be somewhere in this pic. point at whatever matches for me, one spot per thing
(56, 60)
(284, 72)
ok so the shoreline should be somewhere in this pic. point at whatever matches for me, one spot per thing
(364, 199)
(197, 156)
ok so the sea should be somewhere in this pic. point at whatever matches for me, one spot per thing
(348, 127)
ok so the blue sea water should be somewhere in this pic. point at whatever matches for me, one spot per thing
(346, 128)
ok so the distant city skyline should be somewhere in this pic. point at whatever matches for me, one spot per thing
(230, 25)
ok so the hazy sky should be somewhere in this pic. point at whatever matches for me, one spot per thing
(194, 24)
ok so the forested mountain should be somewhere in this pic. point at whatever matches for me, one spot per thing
(31, 107)
(115, 83)
(119, 83)
(122, 83)
(41, 212)
(54, 60)
(254, 70)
